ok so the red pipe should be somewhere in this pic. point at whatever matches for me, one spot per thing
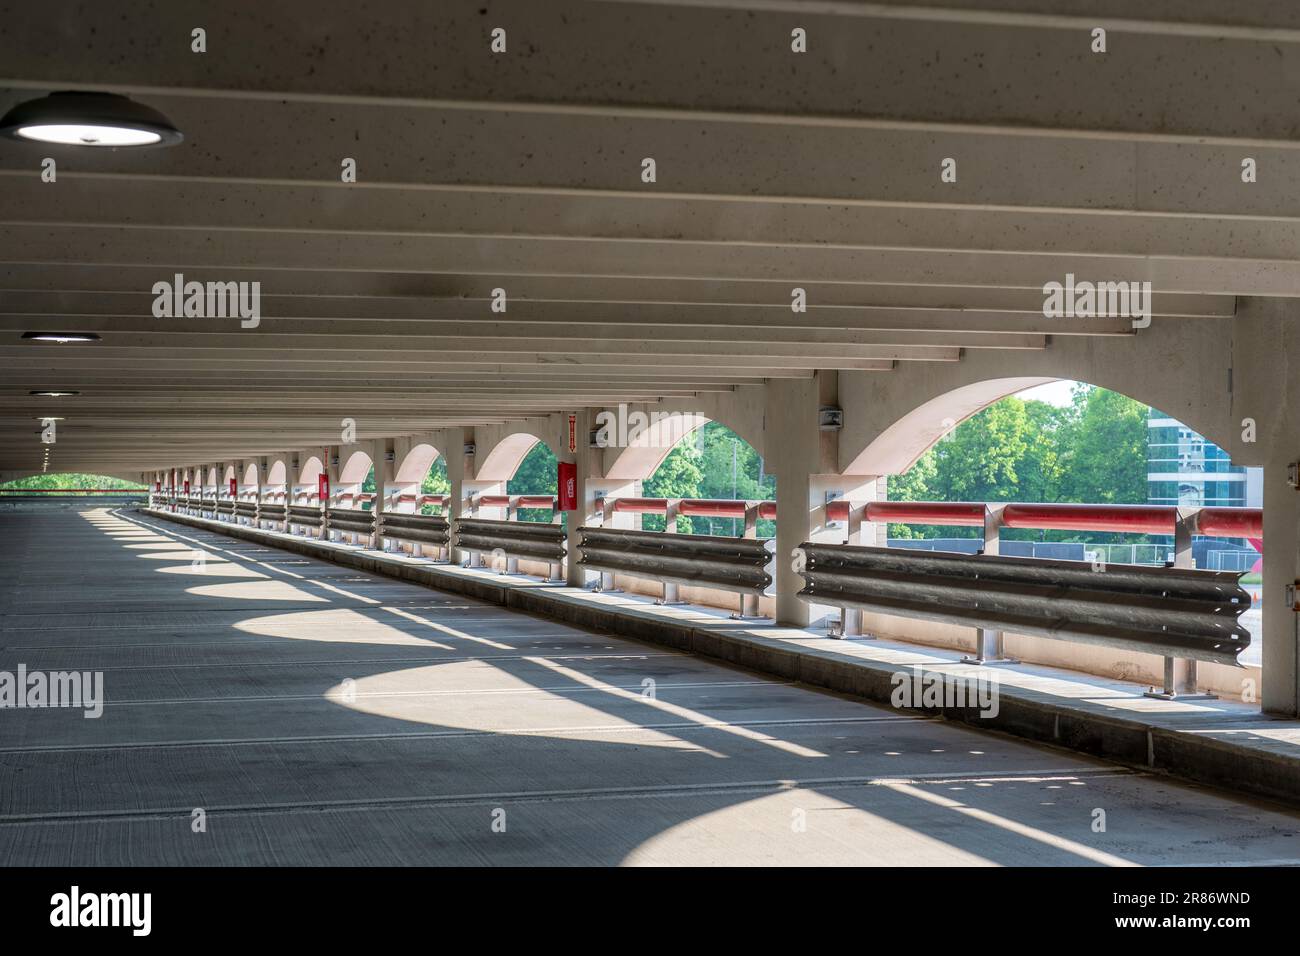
(537, 501)
(927, 512)
(494, 501)
(641, 506)
(1133, 519)
(1231, 522)
(712, 508)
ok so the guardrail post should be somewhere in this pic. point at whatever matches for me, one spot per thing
(749, 602)
(605, 581)
(671, 593)
(1180, 674)
(512, 514)
(851, 618)
(990, 644)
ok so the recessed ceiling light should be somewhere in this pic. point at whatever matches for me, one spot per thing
(49, 393)
(48, 418)
(89, 119)
(61, 336)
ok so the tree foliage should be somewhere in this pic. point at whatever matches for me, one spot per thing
(536, 475)
(71, 480)
(714, 462)
(1093, 450)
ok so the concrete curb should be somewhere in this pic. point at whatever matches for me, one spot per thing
(1127, 739)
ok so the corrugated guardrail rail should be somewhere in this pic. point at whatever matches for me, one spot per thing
(350, 519)
(516, 539)
(729, 564)
(423, 529)
(305, 516)
(1176, 612)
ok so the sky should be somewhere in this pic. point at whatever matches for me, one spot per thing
(1054, 393)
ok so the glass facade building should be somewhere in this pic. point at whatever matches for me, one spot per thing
(1185, 469)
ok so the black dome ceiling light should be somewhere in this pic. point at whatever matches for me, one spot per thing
(89, 119)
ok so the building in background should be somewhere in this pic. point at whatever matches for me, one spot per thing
(1186, 469)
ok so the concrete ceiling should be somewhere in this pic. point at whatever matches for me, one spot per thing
(522, 171)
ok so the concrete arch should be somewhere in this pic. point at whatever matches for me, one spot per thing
(644, 453)
(899, 446)
(278, 473)
(355, 468)
(1177, 366)
(742, 411)
(251, 474)
(311, 468)
(504, 459)
(229, 475)
(416, 463)
(211, 479)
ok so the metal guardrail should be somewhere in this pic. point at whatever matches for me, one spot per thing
(420, 529)
(1176, 612)
(246, 509)
(225, 506)
(351, 520)
(740, 565)
(272, 512)
(305, 516)
(515, 539)
(729, 564)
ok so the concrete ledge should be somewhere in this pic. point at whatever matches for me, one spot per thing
(1223, 743)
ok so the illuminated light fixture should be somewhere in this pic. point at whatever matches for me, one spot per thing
(60, 337)
(89, 119)
(51, 393)
(48, 418)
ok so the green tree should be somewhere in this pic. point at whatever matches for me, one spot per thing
(435, 483)
(1093, 450)
(69, 480)
(1107, 456)
(713, 462)
(537, 474)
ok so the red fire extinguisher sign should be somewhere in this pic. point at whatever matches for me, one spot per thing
(234, 492)
(323, 486)
(568, 486)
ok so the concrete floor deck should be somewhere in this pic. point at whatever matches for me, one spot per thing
(319, 714)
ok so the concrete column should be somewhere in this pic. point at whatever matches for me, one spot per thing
(1280, 693)
(384, 470)
(261, 488)
(589, 463)
(333, 464)
(804, 461)
(794, 456)
(1266, 393)
(460, 468)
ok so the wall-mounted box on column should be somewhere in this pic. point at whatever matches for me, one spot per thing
(567, 484)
